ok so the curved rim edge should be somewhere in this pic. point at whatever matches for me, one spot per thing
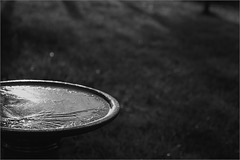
(113, 112)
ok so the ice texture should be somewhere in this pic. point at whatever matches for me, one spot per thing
(29, 107)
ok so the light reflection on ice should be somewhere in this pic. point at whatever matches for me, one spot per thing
(27, 93)
(39, 108)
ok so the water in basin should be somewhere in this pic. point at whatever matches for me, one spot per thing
(29, 107)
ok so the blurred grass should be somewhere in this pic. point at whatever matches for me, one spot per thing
(173, 71)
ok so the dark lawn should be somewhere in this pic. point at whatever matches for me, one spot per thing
(174, 71)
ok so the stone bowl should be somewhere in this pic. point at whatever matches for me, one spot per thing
(36, 114)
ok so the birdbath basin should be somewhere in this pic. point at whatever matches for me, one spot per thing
(36, 114)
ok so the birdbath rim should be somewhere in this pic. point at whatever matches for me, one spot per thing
(110, 115)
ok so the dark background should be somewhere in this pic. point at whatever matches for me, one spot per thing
(173, 67)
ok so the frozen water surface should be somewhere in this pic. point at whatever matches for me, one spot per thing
(29, 107)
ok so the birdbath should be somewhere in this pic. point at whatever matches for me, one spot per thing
(36, 114)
